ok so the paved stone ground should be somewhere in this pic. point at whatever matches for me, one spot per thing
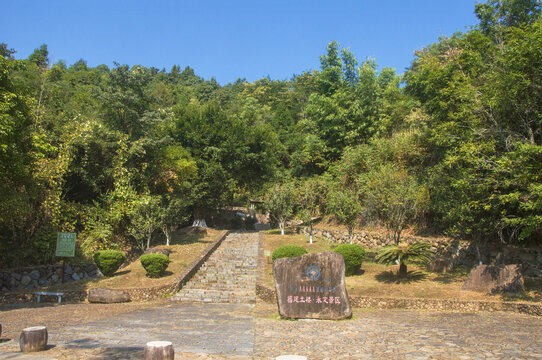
(231, 331)
(389, 334)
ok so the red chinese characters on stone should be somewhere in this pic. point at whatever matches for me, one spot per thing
(331, 300)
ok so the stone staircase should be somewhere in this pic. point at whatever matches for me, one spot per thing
(229, 275)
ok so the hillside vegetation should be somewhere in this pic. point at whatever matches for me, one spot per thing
(119, 154)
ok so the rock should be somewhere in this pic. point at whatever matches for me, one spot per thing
(42, 281)
(33, 339)
(55, 278)
(495, 279)
(5, 289)
(68, 270)
(75, 277)
(440, 265)
(16, 276)
(34, 275)
(312, 286)
(159, 350)
(107, 296)
(157, 251)
(25, 280)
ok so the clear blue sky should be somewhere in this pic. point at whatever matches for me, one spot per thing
(230, 39)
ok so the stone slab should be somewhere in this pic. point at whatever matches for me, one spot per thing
(312, 286)
(107, 296)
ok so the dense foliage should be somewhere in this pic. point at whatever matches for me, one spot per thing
(119, 154)
(288, 251)
(353, 255)
(154, 264)
(109, 261)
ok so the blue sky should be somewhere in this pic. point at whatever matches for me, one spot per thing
(230, 39)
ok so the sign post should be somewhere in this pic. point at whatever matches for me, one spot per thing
(65, 247)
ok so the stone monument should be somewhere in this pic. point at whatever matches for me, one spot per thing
(312, 286)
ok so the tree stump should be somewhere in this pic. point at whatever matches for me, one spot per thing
(33, 339)
(159, 350)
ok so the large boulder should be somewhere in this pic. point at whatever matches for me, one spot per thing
(107, 296)
(494, 279)
(312, 286)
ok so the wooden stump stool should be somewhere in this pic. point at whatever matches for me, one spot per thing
(33, 339)
(159, 350)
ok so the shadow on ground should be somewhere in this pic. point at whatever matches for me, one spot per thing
(389, 277)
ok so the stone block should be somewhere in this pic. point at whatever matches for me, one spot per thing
(312, 286)
(107, 296)
(16, 276)
(68, 270)
(33, 339)
(25, 280)
(75, 277)
(494, 279)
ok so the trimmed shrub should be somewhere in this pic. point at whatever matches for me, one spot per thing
(109, 261)
(288, 251)
(154, 264)
(353, 257)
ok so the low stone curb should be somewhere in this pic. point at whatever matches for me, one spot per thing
(365, 302)
(136, 294)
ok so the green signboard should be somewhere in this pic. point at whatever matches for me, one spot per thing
(267, 253)
(65, 244)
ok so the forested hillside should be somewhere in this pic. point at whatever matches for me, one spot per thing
(454, 145)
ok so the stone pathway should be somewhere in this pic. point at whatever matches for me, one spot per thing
(229, 275)
(388, 334)
(193, 328)
(234, 331)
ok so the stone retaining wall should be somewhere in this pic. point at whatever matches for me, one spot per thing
(458, 251)
(136, 294)
(364, 302)
(32, 278)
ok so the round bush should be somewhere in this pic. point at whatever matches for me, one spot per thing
(109, 261)
(353, 257)
(154, 264)
(288, 251)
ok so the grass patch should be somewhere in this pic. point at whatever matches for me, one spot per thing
(184, 250)
(377, 280)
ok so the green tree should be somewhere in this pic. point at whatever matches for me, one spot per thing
(280, 202)
(311, 195)
(394, 197)
(145, 218)
(345, 206)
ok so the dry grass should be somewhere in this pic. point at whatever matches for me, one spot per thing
(184, 250)
(377, 280)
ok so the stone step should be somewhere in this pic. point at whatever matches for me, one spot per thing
(229, 275)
